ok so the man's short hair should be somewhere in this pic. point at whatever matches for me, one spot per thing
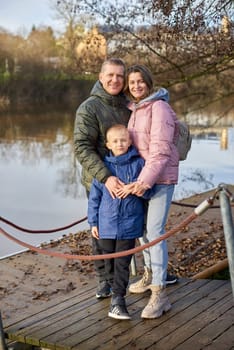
(114, 61)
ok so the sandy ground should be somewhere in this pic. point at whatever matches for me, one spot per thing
(29, 281)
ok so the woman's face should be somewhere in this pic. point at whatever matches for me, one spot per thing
(137, 87)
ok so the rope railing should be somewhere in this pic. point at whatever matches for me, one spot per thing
(200, 209)
(58, 229)
(26, 230)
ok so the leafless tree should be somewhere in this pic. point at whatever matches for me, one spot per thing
(188, 45)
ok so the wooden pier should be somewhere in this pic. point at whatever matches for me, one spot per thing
(202, 317)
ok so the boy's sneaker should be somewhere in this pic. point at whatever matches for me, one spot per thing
(118, 309)
(119, 312)
(104, 290)
(171, 279)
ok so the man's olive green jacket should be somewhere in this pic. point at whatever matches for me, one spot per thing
(93, 117)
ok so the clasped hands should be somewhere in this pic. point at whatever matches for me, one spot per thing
(118, 189)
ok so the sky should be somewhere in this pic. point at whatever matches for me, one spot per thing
(20, 15)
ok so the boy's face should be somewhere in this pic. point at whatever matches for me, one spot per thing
(118, 141)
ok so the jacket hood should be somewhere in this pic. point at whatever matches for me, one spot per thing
(115, 100)
(161, 94)
(124, 158)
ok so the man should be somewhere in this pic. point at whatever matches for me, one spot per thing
(106, 106)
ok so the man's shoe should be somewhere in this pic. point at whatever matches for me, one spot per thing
(143, 284)
(118, 309)
(158, 303)
(171, 279)
(104, 290)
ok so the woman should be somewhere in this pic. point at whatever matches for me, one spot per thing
(154, 131)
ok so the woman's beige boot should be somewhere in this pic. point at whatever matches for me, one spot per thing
(158, 303)
(143, 284)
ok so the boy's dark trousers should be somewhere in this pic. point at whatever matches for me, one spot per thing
(117, 270)
(102, 267)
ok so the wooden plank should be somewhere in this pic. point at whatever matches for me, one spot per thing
(45, 318)
(37, 310)
(148, 332)
(219, 317)
(193, 326)
(171, 331)
(111, 328)
(57, 330)
(85, 328)
(54, 305)
(80, 317)
(224, 342)
(81, 322)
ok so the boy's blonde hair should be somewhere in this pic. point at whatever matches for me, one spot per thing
(115, 128)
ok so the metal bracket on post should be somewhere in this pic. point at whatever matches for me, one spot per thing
(3, 345)
(133, 266)
(228, 227)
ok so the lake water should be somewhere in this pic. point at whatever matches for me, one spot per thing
(40, 178)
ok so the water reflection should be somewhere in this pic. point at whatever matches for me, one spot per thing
(208, 164)
(42, 141)
(40, 177)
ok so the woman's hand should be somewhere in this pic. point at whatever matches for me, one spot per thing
(125, 190)
(136, 188)
(94, 231)
(139, 189)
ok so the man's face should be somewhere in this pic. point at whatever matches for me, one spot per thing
(112, 78)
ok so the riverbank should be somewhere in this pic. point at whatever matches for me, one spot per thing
(36, 93)
(30, 280)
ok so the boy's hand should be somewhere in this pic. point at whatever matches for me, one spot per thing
(94, 231)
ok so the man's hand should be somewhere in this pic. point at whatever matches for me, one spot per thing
(113, 184)
(94, 231)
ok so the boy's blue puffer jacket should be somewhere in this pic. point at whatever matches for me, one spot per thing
(119, 218)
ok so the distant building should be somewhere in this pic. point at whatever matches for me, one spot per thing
(226, 25)
(92, 48)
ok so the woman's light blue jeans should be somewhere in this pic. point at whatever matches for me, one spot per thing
(156, 256)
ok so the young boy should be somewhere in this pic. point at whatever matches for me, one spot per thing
(116, 222)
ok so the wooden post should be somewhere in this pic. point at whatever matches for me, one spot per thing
(224, 139)
(2, 335)
(207, 273)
